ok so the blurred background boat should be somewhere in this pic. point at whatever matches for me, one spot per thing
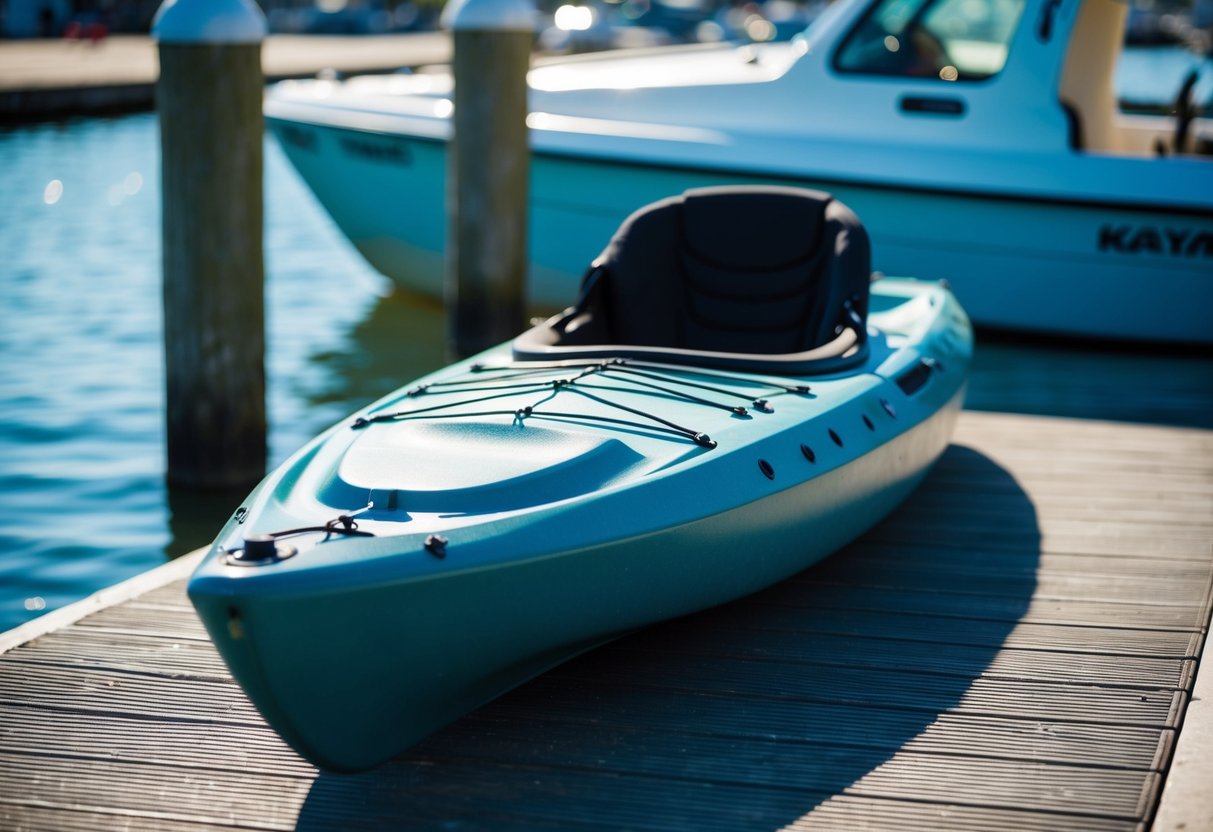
(979, 141)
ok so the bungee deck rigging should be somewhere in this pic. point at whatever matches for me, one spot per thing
(521, 378)
(501, 381)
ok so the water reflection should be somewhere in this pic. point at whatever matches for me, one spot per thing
(196, 515)
(401, 339)
(1087, 380)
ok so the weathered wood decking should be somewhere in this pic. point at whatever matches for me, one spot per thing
(1014, 649)
(54, 78)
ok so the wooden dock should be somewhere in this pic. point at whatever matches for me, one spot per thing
(52, 78)
(1014, 649)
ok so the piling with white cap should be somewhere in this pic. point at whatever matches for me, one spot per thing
(488, 172)
(209, 96)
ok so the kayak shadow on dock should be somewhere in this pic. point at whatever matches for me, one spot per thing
(792, 702)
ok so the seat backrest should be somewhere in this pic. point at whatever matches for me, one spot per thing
(760, 270)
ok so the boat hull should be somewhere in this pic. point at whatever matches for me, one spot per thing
(1045, 265)
(356, 647)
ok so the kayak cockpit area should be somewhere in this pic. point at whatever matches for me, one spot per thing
(769, 280)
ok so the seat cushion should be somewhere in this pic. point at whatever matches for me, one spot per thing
(757, 229)
(776, 274)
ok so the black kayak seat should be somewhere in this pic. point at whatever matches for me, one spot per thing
(767, 279)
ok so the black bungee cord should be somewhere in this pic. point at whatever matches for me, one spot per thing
(512, 375)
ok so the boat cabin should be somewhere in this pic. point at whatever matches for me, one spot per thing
(960, 59)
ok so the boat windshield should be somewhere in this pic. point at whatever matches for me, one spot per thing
(952, 40)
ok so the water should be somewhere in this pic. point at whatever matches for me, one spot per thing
(82, 498)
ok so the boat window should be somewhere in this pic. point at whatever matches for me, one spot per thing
(952, 40)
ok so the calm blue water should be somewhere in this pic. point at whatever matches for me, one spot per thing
(82, 498)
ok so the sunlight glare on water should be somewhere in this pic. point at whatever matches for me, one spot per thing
(82, 498)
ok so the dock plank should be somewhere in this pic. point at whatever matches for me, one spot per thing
(732, 721)
(252, 801)
(992, 607)
(51, 818)
(49, 78)
(1014, 649)
(919, 657)
(152, 694)
(1075, 704)
(772, 763)
(124, 737)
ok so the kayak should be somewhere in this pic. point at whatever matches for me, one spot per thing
(609, 468)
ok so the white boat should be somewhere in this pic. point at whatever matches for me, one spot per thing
(979, 141)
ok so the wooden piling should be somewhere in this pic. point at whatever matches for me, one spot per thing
(487, 176)
(209, 97)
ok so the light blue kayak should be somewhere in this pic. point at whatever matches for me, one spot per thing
(500, 516)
